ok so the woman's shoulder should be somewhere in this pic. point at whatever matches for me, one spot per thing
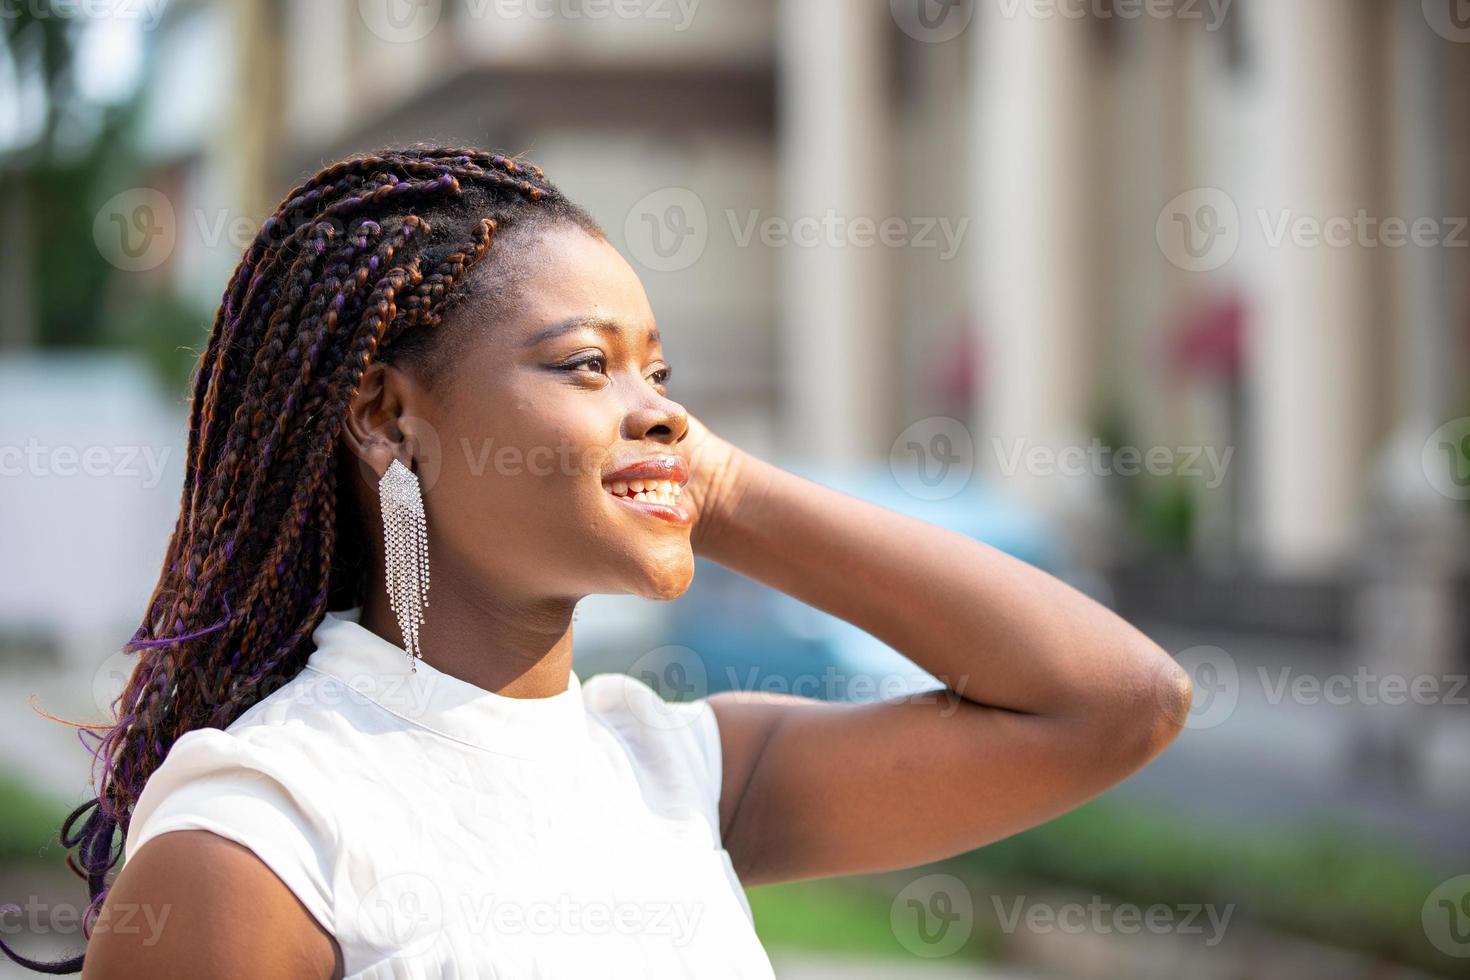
(640, 712)
(288, 754)
(674, 745)
(216, 796)
(255, 783)
(206, 922)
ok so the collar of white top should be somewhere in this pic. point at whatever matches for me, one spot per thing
(378, 670)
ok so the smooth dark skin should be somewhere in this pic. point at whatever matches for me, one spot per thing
(1051, 697)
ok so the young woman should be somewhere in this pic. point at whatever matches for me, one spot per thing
(331, 763)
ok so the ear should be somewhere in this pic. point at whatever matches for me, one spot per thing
(383, 420)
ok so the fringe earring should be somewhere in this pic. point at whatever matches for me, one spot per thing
(406, 549)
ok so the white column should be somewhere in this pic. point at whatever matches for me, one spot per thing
(318, 40)
(839, 370)
(1417, 149)
(247, 141)
(1034, 222)
(1310, 425)
(1153, 151)
(1455, 127)
(1407, 609)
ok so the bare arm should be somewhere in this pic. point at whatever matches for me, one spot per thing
(1051, 697)
(192, 903)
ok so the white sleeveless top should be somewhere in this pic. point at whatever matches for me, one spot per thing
(437, 829)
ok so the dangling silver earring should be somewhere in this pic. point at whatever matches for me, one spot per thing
(406, 548)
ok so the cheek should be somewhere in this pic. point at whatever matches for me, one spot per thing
(534, 467)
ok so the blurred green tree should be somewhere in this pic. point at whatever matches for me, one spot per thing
(73, 153)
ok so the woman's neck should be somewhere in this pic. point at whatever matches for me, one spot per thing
(520, 648)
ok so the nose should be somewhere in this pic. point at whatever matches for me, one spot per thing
(660, 419)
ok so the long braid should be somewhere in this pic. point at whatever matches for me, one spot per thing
(357, 264)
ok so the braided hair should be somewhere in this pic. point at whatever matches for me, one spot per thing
(356, 265)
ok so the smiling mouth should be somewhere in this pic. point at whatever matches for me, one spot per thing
(664, 492)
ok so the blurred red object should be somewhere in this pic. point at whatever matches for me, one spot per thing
(956, 368)
(1211, 339)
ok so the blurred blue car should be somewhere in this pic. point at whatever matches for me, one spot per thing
(731, 633)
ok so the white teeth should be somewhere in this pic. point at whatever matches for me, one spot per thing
(647, 491)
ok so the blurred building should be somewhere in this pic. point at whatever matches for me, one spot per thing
(1104, 213)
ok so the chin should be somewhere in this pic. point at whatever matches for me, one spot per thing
(667, 577)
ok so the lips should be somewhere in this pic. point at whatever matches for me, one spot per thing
(652, 486)
(651, 468)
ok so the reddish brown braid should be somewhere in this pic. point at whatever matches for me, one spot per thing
(267, 537)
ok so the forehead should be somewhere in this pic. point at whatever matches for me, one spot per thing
(552, 275)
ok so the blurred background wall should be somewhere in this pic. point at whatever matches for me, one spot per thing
(1169, 296)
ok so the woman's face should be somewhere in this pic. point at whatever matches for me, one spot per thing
(562, 383)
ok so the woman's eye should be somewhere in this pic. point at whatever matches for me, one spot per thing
(601, 363)
(661, 376)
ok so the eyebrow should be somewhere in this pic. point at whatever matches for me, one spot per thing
(598, 323)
